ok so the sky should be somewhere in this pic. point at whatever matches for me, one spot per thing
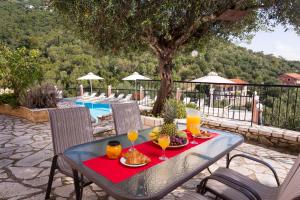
(279, 43)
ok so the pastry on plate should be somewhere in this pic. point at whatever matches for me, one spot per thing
(135, 157)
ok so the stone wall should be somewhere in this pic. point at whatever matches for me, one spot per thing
(269, 136)
(33, 115)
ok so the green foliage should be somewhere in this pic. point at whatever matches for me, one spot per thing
(64, 57)
(43, 96)
(9, 98)
(191, 105)
(19, 68)
(178, 106)
(168, 24)
(220, 103)
(169, 111)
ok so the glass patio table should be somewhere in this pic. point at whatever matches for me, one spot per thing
(158, 180)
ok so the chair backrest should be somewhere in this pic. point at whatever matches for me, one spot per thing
(126, 116)
(70, 126)
(290, 188)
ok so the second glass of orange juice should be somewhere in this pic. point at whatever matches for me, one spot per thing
(192, 119)
(132, 136)
(164, 142)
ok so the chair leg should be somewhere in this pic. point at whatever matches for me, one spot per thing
(227, 160)
(77, 185)
(208, 170)
(51, 176)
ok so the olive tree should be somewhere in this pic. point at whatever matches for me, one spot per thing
(164, 26)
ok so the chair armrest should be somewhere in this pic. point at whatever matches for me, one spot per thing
(244, 189)
(258, 161)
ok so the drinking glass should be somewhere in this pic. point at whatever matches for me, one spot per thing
(194, 129)
(164, 142)
(132, 136)
(192, 119)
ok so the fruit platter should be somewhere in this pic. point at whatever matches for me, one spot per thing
(177, 138)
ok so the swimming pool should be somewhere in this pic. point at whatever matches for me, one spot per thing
(96, 109)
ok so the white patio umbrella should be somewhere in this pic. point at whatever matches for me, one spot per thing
(213, 77)
(135, 76)
(90, 76)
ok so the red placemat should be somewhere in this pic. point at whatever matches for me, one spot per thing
(116, 172)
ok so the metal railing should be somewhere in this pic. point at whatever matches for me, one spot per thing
(270, 105)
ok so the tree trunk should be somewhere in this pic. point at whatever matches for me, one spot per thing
(165, 90)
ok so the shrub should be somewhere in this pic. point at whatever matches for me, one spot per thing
(9, 99)
(248, 106)
(220, 103)
(43, 96)
(180, 107)
(19, 69)
(191, 105)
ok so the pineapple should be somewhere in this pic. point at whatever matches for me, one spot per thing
(169, 114)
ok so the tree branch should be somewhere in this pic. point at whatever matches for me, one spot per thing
(230, 15)
(192, 29)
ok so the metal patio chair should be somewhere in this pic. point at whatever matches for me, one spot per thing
(69, 127)
(126, 116)
(244, 188)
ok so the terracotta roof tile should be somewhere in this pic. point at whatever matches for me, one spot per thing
(293, 75)
(239, 81)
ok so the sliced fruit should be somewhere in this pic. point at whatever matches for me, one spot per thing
(168, 129)
(153, 136)
(182, 134)
(156, 129)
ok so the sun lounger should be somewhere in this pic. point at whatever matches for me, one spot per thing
(127, 98)
(98, 98)
(120, 96)
(89, 97)
(146, 101)
(109, 98)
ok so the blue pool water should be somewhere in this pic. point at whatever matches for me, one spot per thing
(96, 109)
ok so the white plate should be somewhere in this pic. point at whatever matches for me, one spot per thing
(123, 161)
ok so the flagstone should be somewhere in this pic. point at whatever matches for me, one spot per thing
(26, 139)
(37, 181)
(3, 175)
(25, 172)
(20, 155)
(35, 158)
(64, 191)
(24, 148)
(37, 197)
(8, 189)
(5, 162)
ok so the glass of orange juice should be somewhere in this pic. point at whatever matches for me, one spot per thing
(164, 142)
(192, 119)
(194, 129)
(132, 136)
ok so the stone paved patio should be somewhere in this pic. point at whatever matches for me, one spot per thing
(26, 152)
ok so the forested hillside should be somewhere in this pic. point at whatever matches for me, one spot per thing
(65, 57)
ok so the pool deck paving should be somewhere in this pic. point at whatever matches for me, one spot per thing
(26, 152)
